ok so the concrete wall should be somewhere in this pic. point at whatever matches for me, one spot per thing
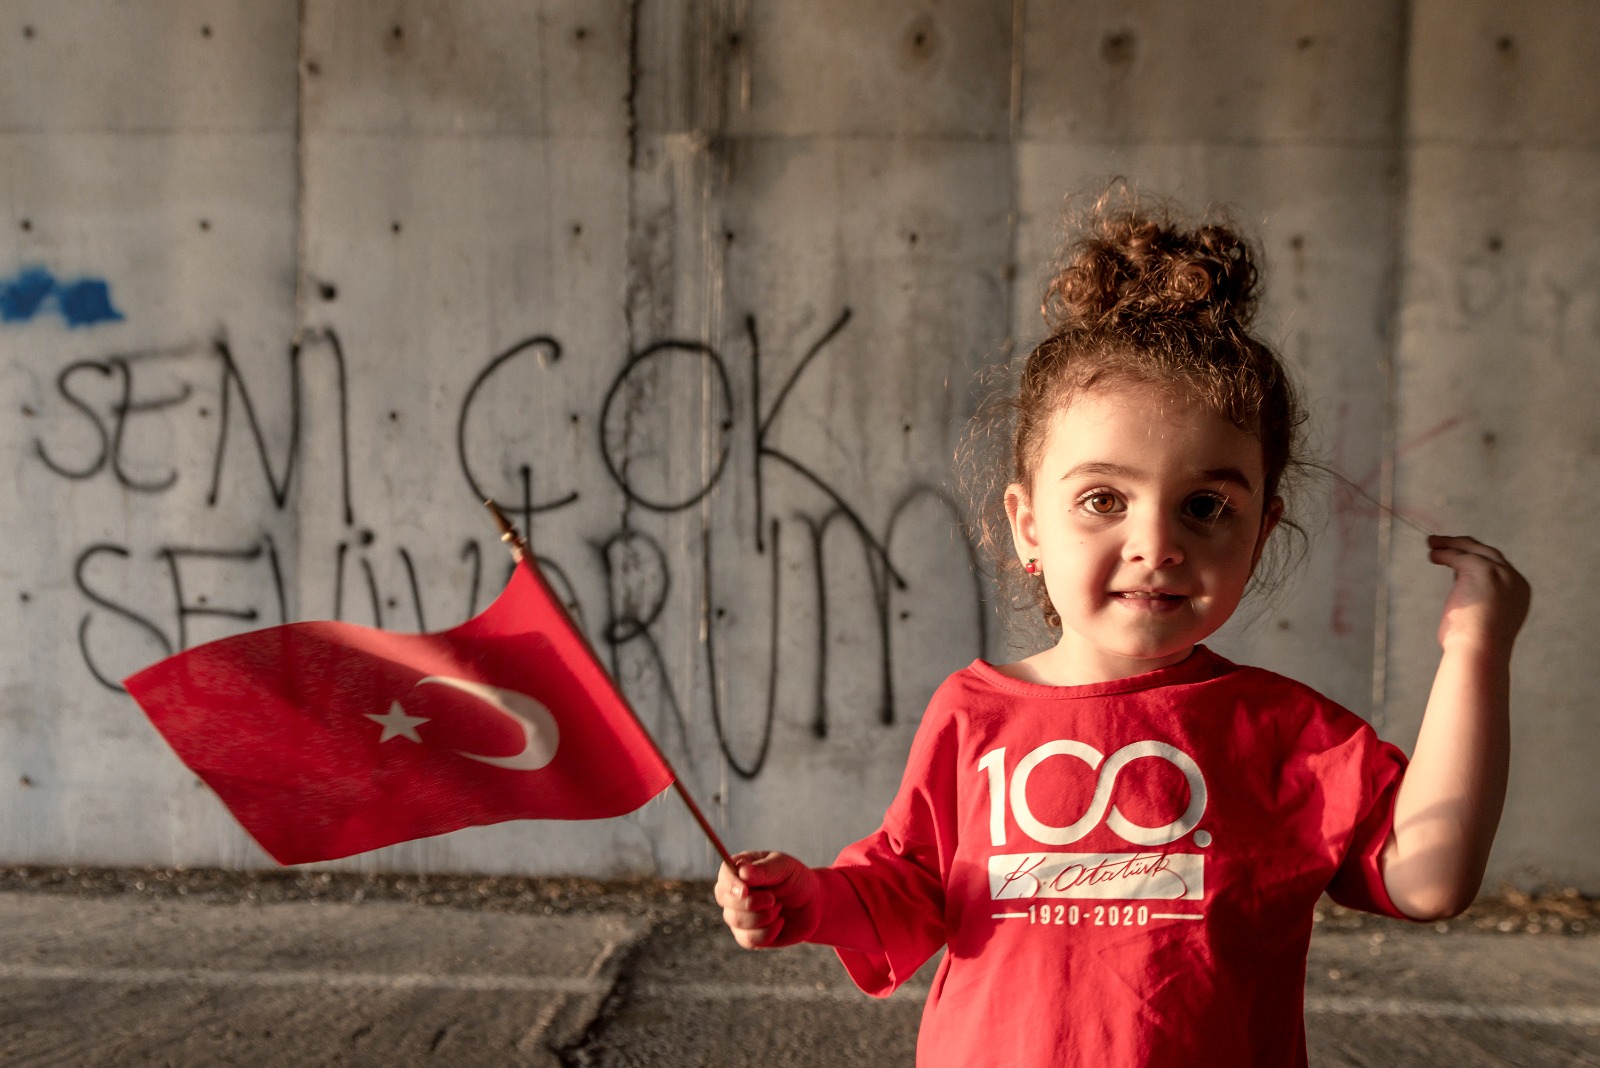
(698, 289)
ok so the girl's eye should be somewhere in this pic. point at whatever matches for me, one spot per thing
(1101, 503)
(1207, 507)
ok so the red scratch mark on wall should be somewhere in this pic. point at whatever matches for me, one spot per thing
(1356, 501)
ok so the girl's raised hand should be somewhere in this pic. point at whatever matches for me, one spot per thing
(1489, 600)
(769, 900)
(1449, 802)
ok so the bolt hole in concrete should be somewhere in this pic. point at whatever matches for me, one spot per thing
(921, 39)
(1119, 47)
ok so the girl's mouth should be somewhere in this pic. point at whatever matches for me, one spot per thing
(1149, 600)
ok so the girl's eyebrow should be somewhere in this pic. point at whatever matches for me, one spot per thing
(1102, 467)
(1113, 470)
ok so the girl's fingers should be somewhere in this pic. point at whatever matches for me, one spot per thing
(759, 938)
(1488, 597)
(754, 929)
(748, 911)
(1470, 546)
(730, 889)
(752, 901)
(750, 919)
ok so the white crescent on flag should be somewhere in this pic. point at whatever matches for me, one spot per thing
(539, 731)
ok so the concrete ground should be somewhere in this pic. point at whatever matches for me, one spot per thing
(164, 968)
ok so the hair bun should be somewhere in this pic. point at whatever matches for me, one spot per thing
(1127, 260)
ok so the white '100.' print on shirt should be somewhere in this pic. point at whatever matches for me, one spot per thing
(1149, 875)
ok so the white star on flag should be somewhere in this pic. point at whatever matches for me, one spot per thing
(396, 724)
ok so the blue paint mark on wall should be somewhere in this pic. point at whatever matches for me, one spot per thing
(22, 296)
(34, 291)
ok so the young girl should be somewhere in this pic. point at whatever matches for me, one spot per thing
(1121, 839)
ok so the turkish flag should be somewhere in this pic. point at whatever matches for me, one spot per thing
(327, 739)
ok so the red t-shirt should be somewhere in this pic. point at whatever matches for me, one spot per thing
(1125, 872)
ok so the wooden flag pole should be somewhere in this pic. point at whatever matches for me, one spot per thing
(524, 558)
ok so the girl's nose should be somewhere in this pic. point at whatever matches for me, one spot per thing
(1152, 540)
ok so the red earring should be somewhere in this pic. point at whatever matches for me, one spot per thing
(1032, 566)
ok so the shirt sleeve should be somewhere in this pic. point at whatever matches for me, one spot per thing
(1375, 773)
(899, 871)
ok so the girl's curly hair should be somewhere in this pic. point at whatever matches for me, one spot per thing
(1138, 295)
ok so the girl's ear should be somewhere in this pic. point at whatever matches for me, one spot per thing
(1023, 526)
(1269, 522)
